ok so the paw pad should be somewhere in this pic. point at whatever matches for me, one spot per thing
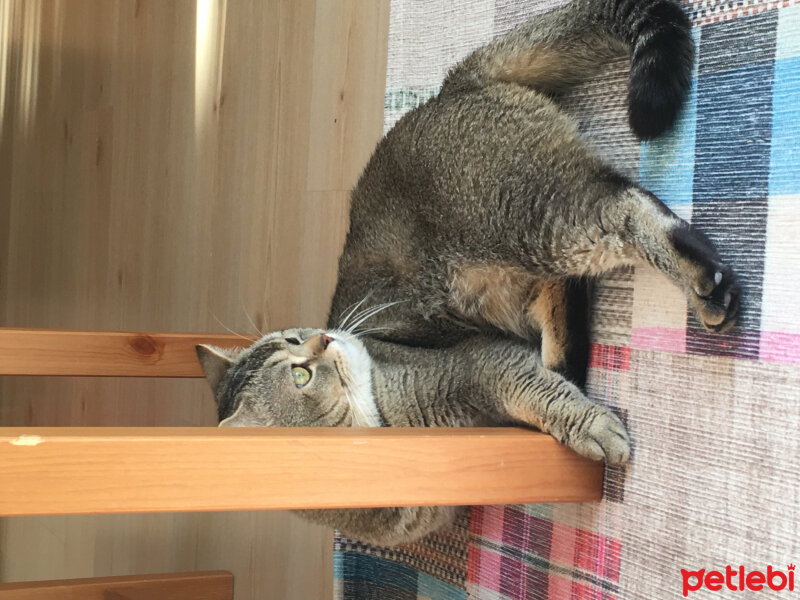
(719, 308)
(603, 438)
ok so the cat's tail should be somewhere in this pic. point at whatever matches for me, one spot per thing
(556, 50)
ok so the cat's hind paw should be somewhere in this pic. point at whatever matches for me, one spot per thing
(717, 306)
(710, 285)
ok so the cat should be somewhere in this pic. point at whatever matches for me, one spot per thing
(475, 229)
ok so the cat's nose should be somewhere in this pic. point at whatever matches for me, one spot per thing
(318, 343)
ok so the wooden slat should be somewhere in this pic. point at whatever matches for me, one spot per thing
(126, 204)
(105, 353)
(200, 585)
(114, 470)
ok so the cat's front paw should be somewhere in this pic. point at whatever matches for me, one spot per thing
(602, 437)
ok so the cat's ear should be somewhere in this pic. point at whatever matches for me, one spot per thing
(215, 363)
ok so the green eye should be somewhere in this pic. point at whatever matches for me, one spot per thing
(301, 376)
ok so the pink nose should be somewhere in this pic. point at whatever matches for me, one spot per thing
(325, 340)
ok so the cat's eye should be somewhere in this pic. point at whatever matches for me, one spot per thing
(292, 340)
(301, 376)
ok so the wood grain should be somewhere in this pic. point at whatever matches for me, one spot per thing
(111, 470)
(202, 585)
(164, 168)
(105, 353)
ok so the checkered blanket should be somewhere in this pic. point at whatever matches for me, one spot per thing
(715, 419)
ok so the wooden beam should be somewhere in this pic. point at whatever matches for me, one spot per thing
(105, 353)
(63, 470)
(200, 585)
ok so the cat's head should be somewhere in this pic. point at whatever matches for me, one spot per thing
(292, 378)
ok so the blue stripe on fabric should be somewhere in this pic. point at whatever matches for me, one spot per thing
(338, 564)
(784, 171)
(666, 165)
(738, 43)
(365, 576)
(734, 110)
(732, 168)
(435, 589)
(784, 176)
(368, 576)
(734, 126)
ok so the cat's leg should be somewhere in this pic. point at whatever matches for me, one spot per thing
(542, 398)
(560, 311)
(683, 253)
(511, 299)
(628, 226)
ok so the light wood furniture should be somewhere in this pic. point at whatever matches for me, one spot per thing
(105, 353)
(113, 470)
(174, 165)
(203, 585)
(110, 470)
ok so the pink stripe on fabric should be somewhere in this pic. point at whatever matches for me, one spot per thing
(776, 346)
(526, 538)
(611, 561)
(558, 587)
(484, 568)
(562, 545)
(527, 532)
(490, 522)
(610, 358)
(597, 554)
(476, 520)
(586, 550)
(665, 339)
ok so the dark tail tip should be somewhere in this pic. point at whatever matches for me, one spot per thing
(661, 71)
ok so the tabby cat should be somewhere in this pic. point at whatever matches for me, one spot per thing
(473, 232)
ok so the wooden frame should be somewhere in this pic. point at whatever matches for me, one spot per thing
(80, 470)
(106, 353)
(111, 470)
(200, 585)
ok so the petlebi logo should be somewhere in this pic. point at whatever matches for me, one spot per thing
(738, 579)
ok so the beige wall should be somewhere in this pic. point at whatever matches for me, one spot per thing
(175, 166)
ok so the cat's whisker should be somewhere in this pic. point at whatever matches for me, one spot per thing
(371, 308)
(364, 318)
(355, 306)
(247, 314)
(359, 418)
(249, 318)
(363, 332)
(351, 404)
(228, 329)
(372, 312)
(375, 311)
(361, 314)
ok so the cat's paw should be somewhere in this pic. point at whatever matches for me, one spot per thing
(710, 285)
(716, 299)
(604, 437)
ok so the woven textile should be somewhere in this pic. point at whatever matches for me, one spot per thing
(715, 419)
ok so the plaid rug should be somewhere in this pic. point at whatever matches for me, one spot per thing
(714, 419)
